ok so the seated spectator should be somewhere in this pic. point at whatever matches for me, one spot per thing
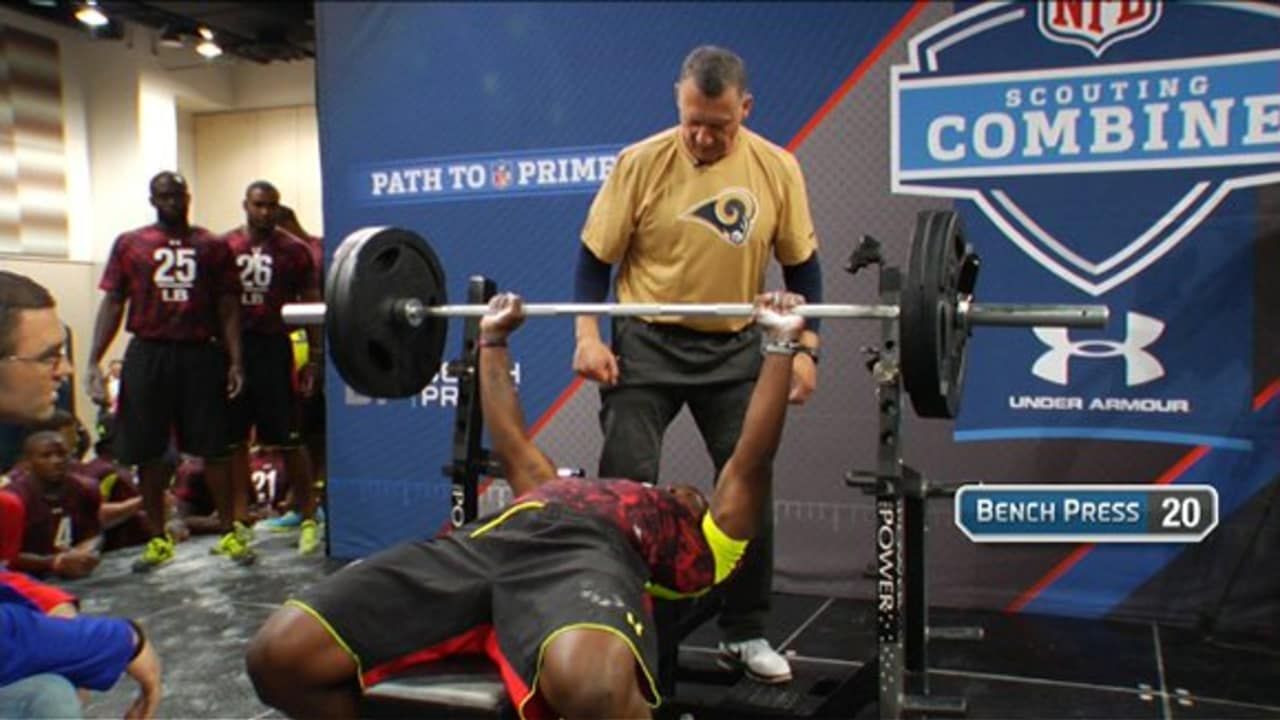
(120, 514)
(194, 510)
(62, 534)
(268, 492)
(20, 587)
(269, 489)
(123, 519)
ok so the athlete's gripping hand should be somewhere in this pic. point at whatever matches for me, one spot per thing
(775, 316)
(505, 315)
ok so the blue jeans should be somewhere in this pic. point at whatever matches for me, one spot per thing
(40, 696)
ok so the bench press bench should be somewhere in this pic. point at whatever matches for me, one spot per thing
(460, 687)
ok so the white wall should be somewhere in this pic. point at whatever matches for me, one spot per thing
(280, 145)
(128, 112)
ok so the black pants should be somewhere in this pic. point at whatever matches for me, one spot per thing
(661, 370)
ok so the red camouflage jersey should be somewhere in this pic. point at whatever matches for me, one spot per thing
(666, 535)
(54, 527)
(272, 273)
(172, 284)
(116, 483)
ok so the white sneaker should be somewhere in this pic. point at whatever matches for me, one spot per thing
(761, 662)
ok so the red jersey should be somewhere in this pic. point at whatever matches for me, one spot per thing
(115, 484)
(270, 482)
(100, 470)
(56, 524)
(278, 271)
(172, 284)
(667, 536)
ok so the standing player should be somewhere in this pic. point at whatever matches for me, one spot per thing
(311, 409)
(275, 268)
(180, 286)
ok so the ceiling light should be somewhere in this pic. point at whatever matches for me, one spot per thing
(207, 47)
(90, 15)
(171, 38)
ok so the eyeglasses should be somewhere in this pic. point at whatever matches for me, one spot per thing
(50, 359)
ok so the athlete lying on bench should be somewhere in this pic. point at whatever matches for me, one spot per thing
(552, 589)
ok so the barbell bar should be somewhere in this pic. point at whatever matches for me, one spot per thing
(387, 312)
(413, 312)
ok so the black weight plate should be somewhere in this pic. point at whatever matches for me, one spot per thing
(376, 351)
(941, 269)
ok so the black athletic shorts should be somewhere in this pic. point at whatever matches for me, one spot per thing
(267, 400)
(502, 587)
(172, 388)
(311, 415)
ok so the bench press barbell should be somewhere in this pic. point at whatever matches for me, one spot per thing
(387, 312)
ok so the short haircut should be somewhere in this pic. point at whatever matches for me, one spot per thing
(18, 293)
(714, 70)
(169, 175)
(262, 185)
(38, 438)
(59, 421)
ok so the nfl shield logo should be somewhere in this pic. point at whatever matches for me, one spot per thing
(1097, 24)
(500, 173)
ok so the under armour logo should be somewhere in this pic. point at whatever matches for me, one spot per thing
(1140, 366)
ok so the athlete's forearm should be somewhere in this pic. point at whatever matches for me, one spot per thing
(105, 327)
(112, 514)
(525, 465)
(767, 412)
(229, 319)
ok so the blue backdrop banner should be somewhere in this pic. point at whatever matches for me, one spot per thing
(1115, 167)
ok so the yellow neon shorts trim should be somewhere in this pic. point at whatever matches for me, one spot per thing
(531, 505)
(653, 686)
(334, 633)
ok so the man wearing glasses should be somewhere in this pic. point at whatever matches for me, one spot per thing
(33, 360)
(47, 658)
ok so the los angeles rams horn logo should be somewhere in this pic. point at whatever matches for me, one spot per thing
(731, 214)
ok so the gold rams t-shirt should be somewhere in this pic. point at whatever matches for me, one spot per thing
(687, 233)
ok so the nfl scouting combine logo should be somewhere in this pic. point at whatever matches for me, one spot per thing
(1097, 25)
(1096, 137)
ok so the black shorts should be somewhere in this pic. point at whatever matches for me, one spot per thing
(172, 389)
(501, 588)
(266, 401)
